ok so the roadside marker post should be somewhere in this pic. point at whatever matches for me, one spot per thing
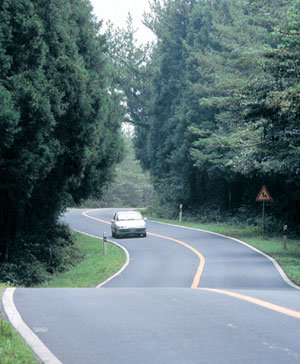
(180, 212)
(285, 230)
(104, 243)
(263, 196)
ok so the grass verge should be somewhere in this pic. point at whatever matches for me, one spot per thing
(93, 269)
(288, 259)
(13, 349)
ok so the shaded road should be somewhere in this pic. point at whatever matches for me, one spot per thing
(150, 314)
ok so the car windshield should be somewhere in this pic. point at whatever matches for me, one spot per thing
(130, 216)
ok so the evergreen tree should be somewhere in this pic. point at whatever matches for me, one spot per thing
(60, 121)
(272, 113)
(203, 140)
(172, 106)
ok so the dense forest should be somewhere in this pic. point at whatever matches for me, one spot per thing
(60, 134)
(215, 104)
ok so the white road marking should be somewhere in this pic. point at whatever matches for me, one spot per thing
(30, 337)
(40, 329)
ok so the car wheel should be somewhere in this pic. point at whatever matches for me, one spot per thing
(144, 235)
(113, 234)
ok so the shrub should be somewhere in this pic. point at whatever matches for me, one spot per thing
(35, 258)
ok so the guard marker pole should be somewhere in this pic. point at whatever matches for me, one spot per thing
(284, 236)
(104, 243)
(180, 212)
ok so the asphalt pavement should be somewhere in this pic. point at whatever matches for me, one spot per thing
(186, 297)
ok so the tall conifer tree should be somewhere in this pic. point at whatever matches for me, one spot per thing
(60, 121)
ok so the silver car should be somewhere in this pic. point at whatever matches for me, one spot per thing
(126, 223)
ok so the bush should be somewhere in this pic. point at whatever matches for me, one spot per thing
(35, 258)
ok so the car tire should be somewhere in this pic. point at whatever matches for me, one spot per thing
(144, 235)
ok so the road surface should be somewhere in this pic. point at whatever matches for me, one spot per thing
(186, 297)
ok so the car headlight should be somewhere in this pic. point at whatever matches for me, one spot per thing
(118, 226)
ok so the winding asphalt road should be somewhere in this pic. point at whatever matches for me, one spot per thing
(186, 297)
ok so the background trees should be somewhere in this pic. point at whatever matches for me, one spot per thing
(60, 123)
(222, 107)
(131, 186)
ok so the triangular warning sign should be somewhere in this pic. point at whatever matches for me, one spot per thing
(264, 195)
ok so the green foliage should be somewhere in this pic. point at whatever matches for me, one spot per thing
(34, 262)
(222, 112)
(173, 106)
(129, 71)
(131, 186)
(59, 121)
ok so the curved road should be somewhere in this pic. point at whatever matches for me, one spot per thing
(186, 297)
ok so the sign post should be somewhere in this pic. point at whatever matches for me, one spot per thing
(263, 196)
(263, 220)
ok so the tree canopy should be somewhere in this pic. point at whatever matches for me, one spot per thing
(60, 120)
(221, 112)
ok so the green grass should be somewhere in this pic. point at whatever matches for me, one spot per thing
(93, 269)
(13, 349)
(288, 259)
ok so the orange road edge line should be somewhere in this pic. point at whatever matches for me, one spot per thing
(95, 218)
(201, 257)
(256, 301)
